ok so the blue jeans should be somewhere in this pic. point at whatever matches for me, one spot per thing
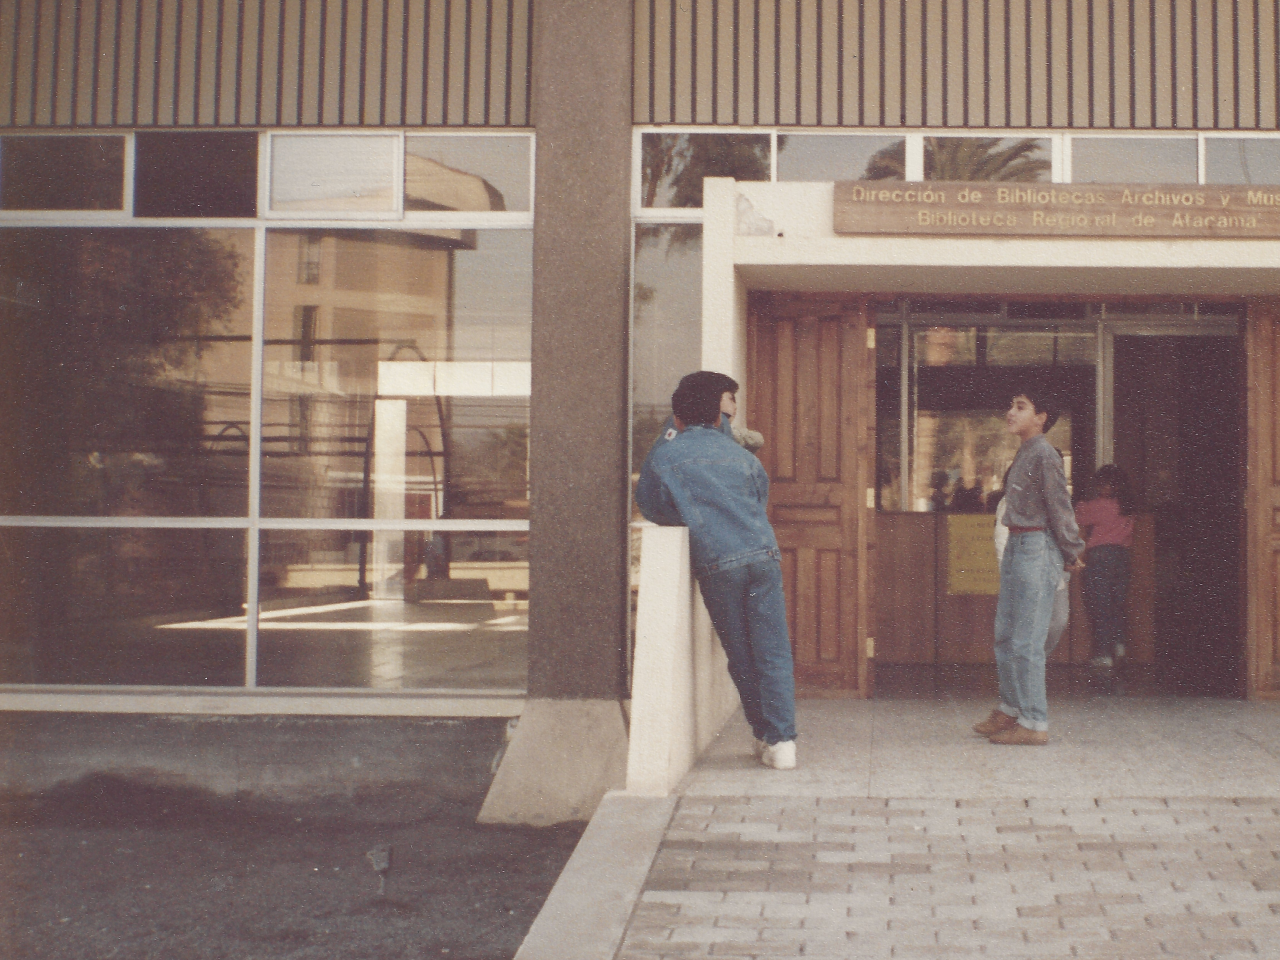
(749, 613)
(1029, 576)
(1106, 581)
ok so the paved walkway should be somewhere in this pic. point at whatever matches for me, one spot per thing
(1147, 828)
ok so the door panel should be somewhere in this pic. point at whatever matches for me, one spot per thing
(812, 395)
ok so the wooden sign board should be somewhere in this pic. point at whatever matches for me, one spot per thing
(995, 209)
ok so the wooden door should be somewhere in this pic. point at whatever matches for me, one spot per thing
(1262, 500)
(812, 395)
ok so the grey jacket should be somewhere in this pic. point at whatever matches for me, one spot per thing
(1036, 496)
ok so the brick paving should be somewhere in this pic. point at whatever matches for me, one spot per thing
(833, 877)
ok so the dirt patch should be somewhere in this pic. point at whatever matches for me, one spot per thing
(111, 868)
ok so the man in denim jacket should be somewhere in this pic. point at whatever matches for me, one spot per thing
(702, 479)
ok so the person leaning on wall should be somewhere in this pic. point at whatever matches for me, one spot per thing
(698, 477)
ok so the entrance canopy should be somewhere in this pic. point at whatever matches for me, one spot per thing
(780, 236)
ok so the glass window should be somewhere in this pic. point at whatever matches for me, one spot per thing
(1134, 160)
(128, 359)
(1241, 160)
(818, 158)
(195, 175)
(466, 173)
(959, 457)
(667, 333)
(1032, 348)
(314, 173)
(122, 606)
(61, 173)
(397, 385)
(1016, 159)
(946, 346)
(673, 164)
(955, 449)
(393, 609)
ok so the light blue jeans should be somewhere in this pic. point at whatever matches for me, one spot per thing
(1029, 576)
(749, 613)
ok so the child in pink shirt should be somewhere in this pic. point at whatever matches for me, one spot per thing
(1106, 522)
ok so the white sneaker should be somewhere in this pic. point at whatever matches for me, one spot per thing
(780, 756)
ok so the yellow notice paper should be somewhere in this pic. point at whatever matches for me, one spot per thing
(971, 554)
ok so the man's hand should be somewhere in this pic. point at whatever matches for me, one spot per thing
(1077, 566)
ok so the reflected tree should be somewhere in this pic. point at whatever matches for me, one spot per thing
(101, 414)
(673, 166)
(102, 331)
(966, 159)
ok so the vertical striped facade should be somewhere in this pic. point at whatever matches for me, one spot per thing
(255, 63)
(1078, 64)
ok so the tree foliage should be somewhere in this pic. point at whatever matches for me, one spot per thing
(965, 159)
(102, 330)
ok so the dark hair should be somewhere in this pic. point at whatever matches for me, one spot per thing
(1118, 480)
(697, 399)
(1043, 400)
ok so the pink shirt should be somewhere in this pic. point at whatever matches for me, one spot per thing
(1105, 524)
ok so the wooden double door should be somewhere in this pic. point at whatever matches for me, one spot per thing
(811, 392)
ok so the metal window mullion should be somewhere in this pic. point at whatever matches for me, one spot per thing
(914, 160)
(130, 162)
(904, 411)
(252, 535)
(1104, 380)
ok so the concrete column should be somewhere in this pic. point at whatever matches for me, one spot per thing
(570, 743)
(581, 285)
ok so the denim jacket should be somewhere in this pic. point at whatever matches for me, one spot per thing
(703, 480)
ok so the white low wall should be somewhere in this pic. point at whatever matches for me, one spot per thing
(681, 694)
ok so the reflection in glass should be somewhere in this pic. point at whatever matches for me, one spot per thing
(888, 452)
(959, 457)
(122, 606)
(333, 173)
(61, 173)
(811, 157)
(667, 333)
(946, 346)
(393, 609)
(1031, 348)
(673, 164)
(466, 173)
(1241, 160)
(1133, 160)
(1008, 159)
(396, 376)
(127, 365)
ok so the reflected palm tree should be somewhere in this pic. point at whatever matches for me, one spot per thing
(1003, 159)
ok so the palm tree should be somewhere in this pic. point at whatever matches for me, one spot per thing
(965, 159)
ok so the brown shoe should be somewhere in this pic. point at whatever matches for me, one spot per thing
(998, 721)
(1020, 736)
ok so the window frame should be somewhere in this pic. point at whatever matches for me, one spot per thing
(250, 697)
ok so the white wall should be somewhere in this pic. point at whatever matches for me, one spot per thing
(681, 693)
